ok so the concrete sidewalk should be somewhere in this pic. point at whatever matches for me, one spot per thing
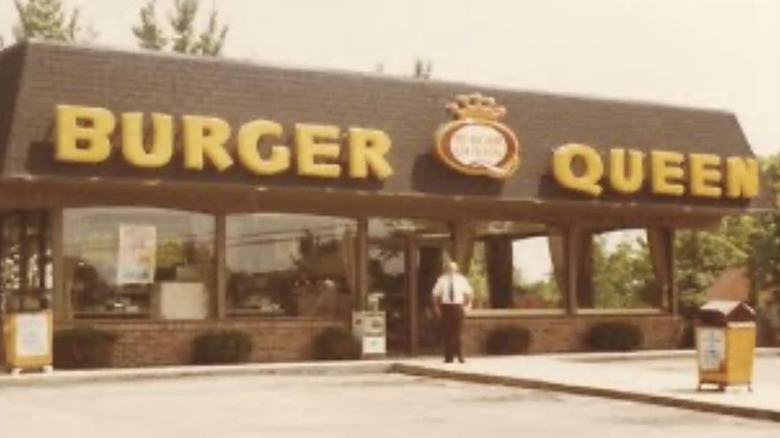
(663, 378)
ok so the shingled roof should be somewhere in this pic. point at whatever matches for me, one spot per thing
(35, 77)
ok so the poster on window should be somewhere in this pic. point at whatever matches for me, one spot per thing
(712, 348)
(137, 253)
(32, 335)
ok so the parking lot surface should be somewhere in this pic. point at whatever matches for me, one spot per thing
(367, 405)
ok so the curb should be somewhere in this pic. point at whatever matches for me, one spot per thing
(648, 355)
(470, 377)
(63, 378)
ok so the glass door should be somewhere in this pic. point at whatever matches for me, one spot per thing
(387, 261)
(432, 254)
(405, 257)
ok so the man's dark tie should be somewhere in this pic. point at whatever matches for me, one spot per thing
(452, 290)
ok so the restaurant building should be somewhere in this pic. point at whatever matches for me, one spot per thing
(160, 196)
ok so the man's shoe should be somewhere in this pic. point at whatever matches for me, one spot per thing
(461, 360)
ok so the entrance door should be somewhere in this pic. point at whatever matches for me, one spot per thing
(403, 266)
(431, 254)
(387, 270)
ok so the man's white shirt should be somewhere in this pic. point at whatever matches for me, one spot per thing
(452, 289)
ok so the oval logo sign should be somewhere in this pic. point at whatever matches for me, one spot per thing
(476, 143)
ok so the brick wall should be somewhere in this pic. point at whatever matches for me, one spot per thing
(284, 340)
(168, 342)
(562, 334)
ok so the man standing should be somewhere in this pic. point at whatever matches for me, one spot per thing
(451, 294)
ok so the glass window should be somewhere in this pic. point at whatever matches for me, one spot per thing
(139, 263)
(290, 265)
(517, 265)
(25, 259)
(622, 272)
(537, 285)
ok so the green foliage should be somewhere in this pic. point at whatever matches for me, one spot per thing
(221, 347)
(336, 344)
(623, 277)
(508, 340)
(83, 348)
(765, 264)
(149, 34)
(702, 256)
(183, 38)
(614, 336)
(48, 20)
(540, 294)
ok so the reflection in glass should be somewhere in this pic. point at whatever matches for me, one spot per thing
(387, 281)
(290, 265)
(25, 259)
(139, 263)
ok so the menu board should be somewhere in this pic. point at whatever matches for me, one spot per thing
(712, 348)
(32, 335)
(137, 254)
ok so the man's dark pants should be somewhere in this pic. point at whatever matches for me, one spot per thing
(452, 326)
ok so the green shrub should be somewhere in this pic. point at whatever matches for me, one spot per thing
(688, 336)
(508, 340)
(336, 344)
(83, 348)
(614, 336)
(221, 347)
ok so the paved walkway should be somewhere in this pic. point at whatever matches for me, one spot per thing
(666, 378)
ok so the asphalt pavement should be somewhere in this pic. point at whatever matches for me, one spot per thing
(340, 405)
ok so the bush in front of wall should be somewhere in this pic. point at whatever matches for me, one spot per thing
(508, 340)
(336, 344)
(83, 348)
(221, 347)
(688, 336)
(614, 336)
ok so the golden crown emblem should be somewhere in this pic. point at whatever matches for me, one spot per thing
(475, 106)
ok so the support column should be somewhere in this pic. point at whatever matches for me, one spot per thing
(498, 258)
(462, 244)
(220, 265)
(572, 269)
(412, 251)
(361, 265)
(62, 303)
(674, 297)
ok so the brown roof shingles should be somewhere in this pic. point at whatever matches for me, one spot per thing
(409, 110)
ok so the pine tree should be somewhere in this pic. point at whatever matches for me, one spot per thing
(48, 20)
(183, 36)
(422, 69)
(149, 35)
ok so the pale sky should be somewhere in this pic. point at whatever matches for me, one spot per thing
(711, 53)
(722, 54)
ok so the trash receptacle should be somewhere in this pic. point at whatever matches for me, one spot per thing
(726, 344)
(369, 328)
(28, 337)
